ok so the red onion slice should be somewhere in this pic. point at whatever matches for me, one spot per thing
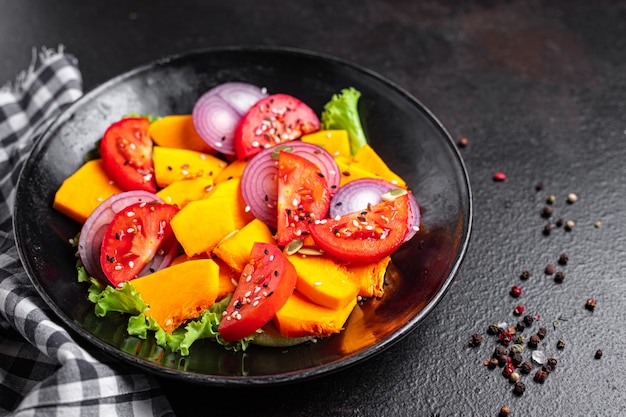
(218, 111)
(357, 194)
(259, 188)
(92, 231)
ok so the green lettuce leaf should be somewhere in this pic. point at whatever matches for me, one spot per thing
(342, 112)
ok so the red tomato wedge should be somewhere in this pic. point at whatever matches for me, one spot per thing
(272, 120)
(126, 151)
(135, 235)
(264, 286)
(303, 196)
(365, 236)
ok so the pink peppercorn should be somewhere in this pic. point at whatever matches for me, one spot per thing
(516, 291)
(508, 370)
(518, 310)
(499, 176)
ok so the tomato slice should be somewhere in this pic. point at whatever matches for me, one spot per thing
(303, 196)
(264, 286)
(126, 150)
(272, 120)
(365, 236)
(135, 235)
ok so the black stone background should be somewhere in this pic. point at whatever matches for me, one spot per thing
(539, 90)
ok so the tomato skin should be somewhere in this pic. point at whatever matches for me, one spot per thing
(126, 151)
(133, 238)
(264, 286)
(273, 120)
(365, 236)
(303, 196)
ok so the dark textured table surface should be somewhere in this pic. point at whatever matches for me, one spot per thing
(539, 90)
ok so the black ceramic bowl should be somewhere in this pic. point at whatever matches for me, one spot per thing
(399, 128)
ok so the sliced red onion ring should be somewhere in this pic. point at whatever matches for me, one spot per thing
(357, 194)
(217, 112)
(259, 188)
(92, 232)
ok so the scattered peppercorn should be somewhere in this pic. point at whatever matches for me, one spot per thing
(571, 198)
(519, 388)
(463, 142)
(526, 367)
(559, 222)
(518, 310)
(547, 368)
(598, 354)
(559, 276)
(493, 362)
(546, 212)
(563, 259)
(540, 376)
(514, 377)
(549, 269)
(508, 370)
(528, 319)
(560, 344)
(519, 339)
(539, 186)
(516, 348)
(547, 229)
(505, 338)
(516, 359)
(542, 332)
(520, 326)
(499, 176)
(590, 304)
(552, 362)
(516, 291)
(525, 274)
(494, 328)
(569, 225)
(500, 351)
(534, 341)
(551, 199)
(598, 224)
(475, 340)
(504, 411)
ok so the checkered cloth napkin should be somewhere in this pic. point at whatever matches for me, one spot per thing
(43, 371)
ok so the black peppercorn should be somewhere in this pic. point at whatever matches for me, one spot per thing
(549, 269)
(475, 340)
(528, 319)
(547, 229)
(525, 274)
(542, 332)
(546, 212)
(540, 376)
(598, 354)
(547, 368)
(516, 359)
(526, 367)
(534, 341)
(519, 388)
(559, 276)
(493, 329)
(560, 344)
(552, 362)
(500, 351)
(520, 326)
(563, 259)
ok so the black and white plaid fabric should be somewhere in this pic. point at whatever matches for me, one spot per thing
(43, 371)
